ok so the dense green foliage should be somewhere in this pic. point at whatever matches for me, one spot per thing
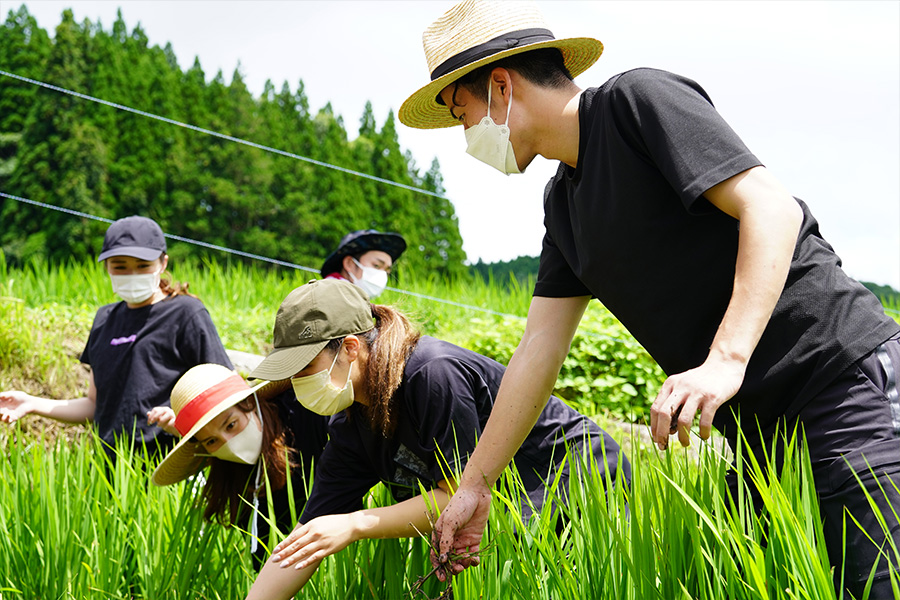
(70, 152)
(46, 312)
(73, 525)
(523, 269)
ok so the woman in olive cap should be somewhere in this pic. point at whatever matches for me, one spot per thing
(408, 410)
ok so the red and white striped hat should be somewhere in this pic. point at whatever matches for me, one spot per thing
(201, 394)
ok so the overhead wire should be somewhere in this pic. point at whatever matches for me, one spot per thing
(265, 148)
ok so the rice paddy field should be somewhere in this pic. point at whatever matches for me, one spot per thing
(73, 524)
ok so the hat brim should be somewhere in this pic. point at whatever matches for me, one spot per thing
(284, 363)
(391, 243)
(181, 462)
(138, 252)
(422, 111)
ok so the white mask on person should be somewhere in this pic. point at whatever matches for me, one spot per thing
(489, 142)
(373, 281)
(246, 446)
(136, 288)
(318, 394)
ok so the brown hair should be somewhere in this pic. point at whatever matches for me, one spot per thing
(227, 481)
(172, 288)
(390, 344)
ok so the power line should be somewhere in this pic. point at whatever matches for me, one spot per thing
(291, 265)
(223, 136)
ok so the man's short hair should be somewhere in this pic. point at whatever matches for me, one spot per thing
(544, 67)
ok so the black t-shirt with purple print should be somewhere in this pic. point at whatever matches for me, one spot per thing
(136, 356)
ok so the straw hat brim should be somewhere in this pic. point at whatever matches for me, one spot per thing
(284, 363)
(422, 111)
(181, 462)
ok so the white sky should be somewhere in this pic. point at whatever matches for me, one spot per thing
(812, 87)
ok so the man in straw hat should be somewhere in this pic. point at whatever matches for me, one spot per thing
(656, 195)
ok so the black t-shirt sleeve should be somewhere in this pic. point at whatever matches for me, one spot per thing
(99, 319)
(340, 482)
(673, 120)
(555, 277)
(200, 342)
(443, 399)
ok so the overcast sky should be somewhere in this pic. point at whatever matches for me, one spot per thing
(813, 88)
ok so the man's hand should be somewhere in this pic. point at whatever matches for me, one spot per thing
(458, 531)
(705, 389)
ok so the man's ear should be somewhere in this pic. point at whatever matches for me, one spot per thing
(501, 82)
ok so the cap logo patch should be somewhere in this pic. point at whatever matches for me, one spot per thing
(306, 333)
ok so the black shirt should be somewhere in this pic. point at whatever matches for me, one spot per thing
(442, 405)
(136, 356)
(306, 433)
(630, 226)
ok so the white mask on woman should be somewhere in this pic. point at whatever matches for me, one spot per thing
(373, 281)
(318, 394)
(246, 446)
(489, 142)
(137, 288)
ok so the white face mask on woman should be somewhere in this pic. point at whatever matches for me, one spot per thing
(489, 142)
(137, 288)
(318, 394)
(373, 281)
(246, 446)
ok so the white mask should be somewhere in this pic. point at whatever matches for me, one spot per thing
(318, 394)
(246, 446)
(135, 289)
(372, 282)
(489, 142)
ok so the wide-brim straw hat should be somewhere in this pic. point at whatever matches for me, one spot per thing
(311, 316)
(199, 396)
(472, 34)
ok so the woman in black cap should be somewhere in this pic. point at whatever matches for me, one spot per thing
(407, 409)
(365, 258)
(137, 349)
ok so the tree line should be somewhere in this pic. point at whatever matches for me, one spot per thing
(70, 152)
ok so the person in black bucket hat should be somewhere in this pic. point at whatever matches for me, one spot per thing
(365, 257)
(138, 347)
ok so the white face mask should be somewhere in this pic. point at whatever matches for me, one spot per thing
(135, 289)
(373, 281)
(318, 394)
(246, 446)
(489, 142)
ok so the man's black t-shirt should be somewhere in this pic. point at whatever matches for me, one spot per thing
(442, 405)
(136, 356)
(630, 226)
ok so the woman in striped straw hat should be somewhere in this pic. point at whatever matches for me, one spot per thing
(256, 440)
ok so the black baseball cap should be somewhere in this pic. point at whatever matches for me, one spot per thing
(135, 236)
(360, 242)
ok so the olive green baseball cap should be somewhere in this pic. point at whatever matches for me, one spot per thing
(311, 316)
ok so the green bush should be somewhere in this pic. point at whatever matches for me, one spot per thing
(606, 372)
